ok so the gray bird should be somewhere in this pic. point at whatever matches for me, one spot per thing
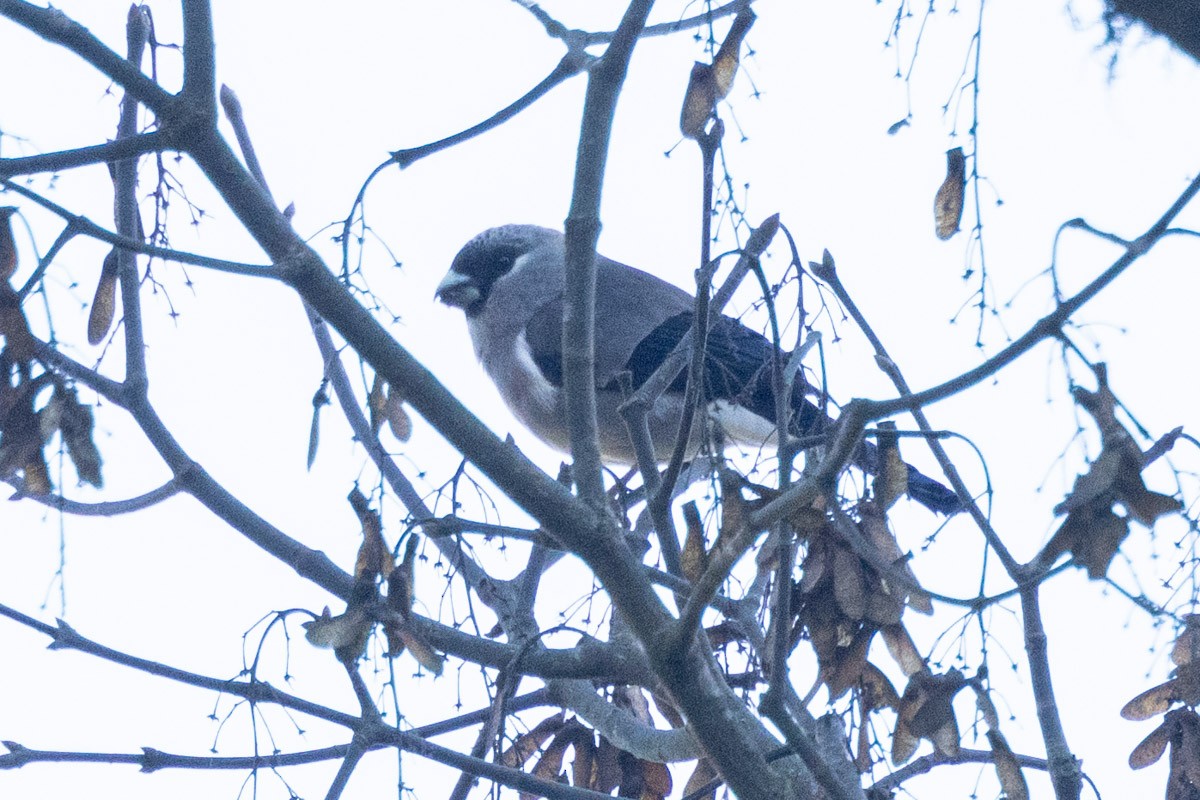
(509, 282)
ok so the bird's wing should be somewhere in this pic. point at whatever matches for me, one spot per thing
(630, 306)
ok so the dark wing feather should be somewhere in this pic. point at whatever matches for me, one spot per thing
(737, 367)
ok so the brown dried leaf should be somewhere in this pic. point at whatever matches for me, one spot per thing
(848, 583)
(376, 402)
(813, 567)
(525, 745)
(874, 525)
(904, 743)
(1150, 749)
(549, 766)
(21, 436)
(862, 747)
(374, 559)
(892, 481)
(425, 655)
(583, 768)
(1008, 770)
(699, 101)
(927, 712)
(397, 416)
(1092, 533)
(847, 669)
(1186, 649)
(77, 425)
(694, 558)
(883, 607)
(876, 690)
(948, 203)
(608, 767)
(1151, 702)
(733, 507)
(656, 781)
(104, 302)
(401, 589)
(14, 327)
(725, 64)
(37, 475)
(346, 633)
(702, 775)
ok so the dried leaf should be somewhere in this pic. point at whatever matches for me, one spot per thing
(702, 776)
(849, 664)
(76, 423)
(892, 481)
(1186, 649)
(904, 743)
(21, 435)
(397, 417)
(725, 64)
(948, 203)
(376, 401)
(374, 559)
(656, 781)
(874, 525)
(710, 83)
(549, 765)
(608, 767)
(425, 655)
(1150, 703)
(926, 712)
(848, 583)
(37, 475)
(525, 745)
(694, 558)
(876, 691)
(104, 302)
(583, 768)
(699, 101)
(883, 607)
(1008, 770)
(346, 633)
(813, 567)
(14, 327)
(319, 401)
(1092, 530)
(733, 507)
(1150, 749)
(1092, 533)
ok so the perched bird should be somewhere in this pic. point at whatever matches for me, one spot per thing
(509, 282)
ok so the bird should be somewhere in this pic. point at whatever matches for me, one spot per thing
(509, 282)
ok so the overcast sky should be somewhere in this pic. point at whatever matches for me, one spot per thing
(329, 92)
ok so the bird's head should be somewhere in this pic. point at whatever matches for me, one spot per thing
(485, 259)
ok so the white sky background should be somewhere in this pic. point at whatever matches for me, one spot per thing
(328, 94)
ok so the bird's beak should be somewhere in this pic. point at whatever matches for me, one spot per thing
(457, 290)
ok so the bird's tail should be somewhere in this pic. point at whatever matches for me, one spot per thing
(925, 490)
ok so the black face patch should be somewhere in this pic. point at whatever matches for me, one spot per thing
(484, 260)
